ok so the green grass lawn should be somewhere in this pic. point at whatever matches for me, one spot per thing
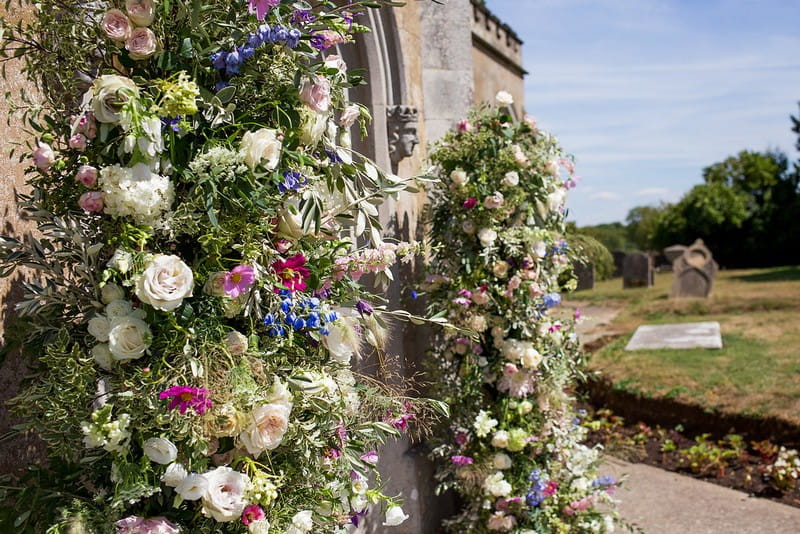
(757, 371)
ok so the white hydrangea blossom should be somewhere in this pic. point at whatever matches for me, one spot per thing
(136, 192)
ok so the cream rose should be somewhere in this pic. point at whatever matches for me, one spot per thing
(111, 292)
(128, 338)
(500, 269)
(500, 439)
(487, 236)
(531, 357)
(313, 127)
(459, 177)
(261, 147)
(236, 342)
(502, 461)
(224, 498)
(111, 93)
(290, 223)
(511, 179)
(165, 283)
(116, 25)
(192, 487)
(174, 475)
(160, 450)
(141, 12)
(334, 61)
(102, 356)
(316, 93)
(118, 308)
(99, 327)
(141, 44)
(504, 98)
(268, 424)
(215, 285)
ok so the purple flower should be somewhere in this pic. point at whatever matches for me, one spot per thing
(370, 457)
(302, 16)
(461, 460)
(461, 438)
(219, 59)
(551, 300)
(363, 308)
(261, 7)
(185, 397)
(292, 181)
(232, 63)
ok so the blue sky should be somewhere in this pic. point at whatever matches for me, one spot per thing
(645, 93)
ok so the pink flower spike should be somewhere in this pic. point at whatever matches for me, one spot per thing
(261, 7)
(239, 280)
(185, 397)
(461, 460)
(252, 512)
(370, 457)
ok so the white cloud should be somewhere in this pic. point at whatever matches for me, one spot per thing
(652, 192)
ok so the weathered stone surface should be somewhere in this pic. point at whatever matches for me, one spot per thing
(704, 335)
(695, 271)
(674, 252)
(585, 274)
(637, 271)
(619, 260)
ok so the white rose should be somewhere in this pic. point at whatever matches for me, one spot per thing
(111, 292)
(268, 424)
(531, 357)
(519, 156)
(504, 98)
(394, 516)
(343, 341)
(303, 521)
(160, 450)
(511, 179)
(336, 62)
(236, 342)
(192, 487)
(290, 222)
(487, 236)
(165, 283)
(261, 147)
(552, 167)
(259, 527)
(174, 475)
(525, 407)
(141, 12)
(512, 350)
(129, 338)
(121, 261)
(500, 439)
(478, 323)
(119, 308)
(502, 461)
(555, 200)
(349, 116)
(102, 356)
(540, 249)
(110, 94)
(313, 127)
(459, 177)
(496, 485)
(468, 227)
(99, 327)
(224, 498)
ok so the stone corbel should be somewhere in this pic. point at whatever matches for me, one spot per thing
(402, 132)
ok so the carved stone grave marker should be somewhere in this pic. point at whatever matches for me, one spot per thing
(695, 271)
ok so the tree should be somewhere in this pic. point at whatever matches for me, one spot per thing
(642, 221)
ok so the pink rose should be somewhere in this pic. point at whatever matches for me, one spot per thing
(463, 126)
(43, 156)
(494, 201)
(87, 125)
(86, 175)
(78, 142)
(91, 201)
(336, 62)
(316, 93)
(349, 116)
(141, 44)
(116, 25)
(141, 12)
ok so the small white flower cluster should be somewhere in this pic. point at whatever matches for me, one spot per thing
(496, 485)
(484, 424)
(121, 331)
(112, 435)
(218, 162)
(136, 192)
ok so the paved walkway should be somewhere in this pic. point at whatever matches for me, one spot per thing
(595, 321)
(662, 502)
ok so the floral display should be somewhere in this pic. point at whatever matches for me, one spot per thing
(196, 314)
(513, 449)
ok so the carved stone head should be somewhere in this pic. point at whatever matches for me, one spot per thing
(402, 125)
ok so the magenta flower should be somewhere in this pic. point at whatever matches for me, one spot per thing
(461, 438)
(239, 280)
(185, 397)
(252, 512)
(470, 203)
(292, 272)
(461, 460)
(463, 126)
(261, 7)
(401, 422)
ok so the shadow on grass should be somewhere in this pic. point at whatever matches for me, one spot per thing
(778, 274)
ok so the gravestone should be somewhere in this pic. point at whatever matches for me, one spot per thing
(637, 271)
(695, 271)
(619, 260)
(585, 274)
(705, 335)
(674, 252)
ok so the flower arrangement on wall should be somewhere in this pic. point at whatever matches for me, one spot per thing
(513, 449)
(196, 308)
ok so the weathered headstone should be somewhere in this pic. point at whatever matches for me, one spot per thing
(695, 271)
(585, 274)
(619, 260)
(637, 271)
(704, 335)
(674, 252)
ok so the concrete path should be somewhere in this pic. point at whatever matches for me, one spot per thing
(662, 502)
(595, 321)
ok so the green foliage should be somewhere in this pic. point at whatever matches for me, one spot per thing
(594, 252)
(614, 236)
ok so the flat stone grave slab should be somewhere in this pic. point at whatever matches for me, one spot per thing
(676, 336)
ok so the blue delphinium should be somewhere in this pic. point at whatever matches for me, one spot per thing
(298, 315)
(292, 181)
(551, 300)
(536, 494)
